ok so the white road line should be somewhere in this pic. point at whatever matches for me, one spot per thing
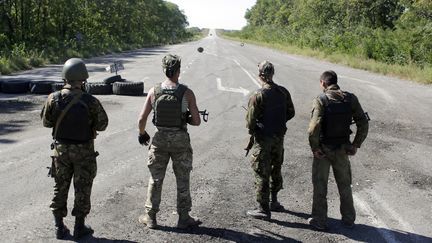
(381, 227)
(385, 94)
(236, 90)
(394, 215)
(250, 76)
(212, 54)
(356, 79)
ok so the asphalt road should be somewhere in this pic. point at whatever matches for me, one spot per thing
(392, 175)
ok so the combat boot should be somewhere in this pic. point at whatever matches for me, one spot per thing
(60, 228)
(260, 213)
(275, 206)
(185, 221)
(81, 229)
(148, 219)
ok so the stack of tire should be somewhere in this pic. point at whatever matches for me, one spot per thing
(15, 86)
(112, 85)
(25, 86)
(115, 85)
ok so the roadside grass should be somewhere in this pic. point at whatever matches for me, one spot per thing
(411, 72)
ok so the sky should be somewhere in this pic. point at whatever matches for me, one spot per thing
(215, 14)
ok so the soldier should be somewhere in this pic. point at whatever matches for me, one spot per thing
(75, 116)
(329, 139)
(269, 110)
(174, 106)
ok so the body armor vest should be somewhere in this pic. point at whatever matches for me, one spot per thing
(335, 126)
(168, 107)
(75, 127)
(274, 119)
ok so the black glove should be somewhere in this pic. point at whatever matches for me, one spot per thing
(144, 139)
(188, 117)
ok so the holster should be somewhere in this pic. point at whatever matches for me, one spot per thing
(52, 170)
(250, 144)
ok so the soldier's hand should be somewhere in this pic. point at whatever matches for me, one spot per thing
(188, 117)
(319, 154)
(351, 150)
(144, 139)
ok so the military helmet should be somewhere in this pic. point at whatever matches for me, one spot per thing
(266, 69)
(75, 69)
(170, 64)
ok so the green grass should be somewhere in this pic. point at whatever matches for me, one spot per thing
(410, 72)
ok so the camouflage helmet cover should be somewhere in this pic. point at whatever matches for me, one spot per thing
(265, 69)
(171, 63)
(75, 69)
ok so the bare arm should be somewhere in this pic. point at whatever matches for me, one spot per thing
(193, 109)
(142, 120)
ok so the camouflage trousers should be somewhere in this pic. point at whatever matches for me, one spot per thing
(77, 161)
(338, 160)
(267, 159)
(165, 145)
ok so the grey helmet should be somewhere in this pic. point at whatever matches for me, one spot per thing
(170, 64)
(75, 69)
(266, 69)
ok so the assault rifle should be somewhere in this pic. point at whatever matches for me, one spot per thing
(366, 115)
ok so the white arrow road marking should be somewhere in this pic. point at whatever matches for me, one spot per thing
(236, 90)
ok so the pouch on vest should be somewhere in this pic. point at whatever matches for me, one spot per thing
(335, 126)
(168, 107)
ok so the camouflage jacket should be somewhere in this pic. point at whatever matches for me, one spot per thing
(98, 116)
(333, 92)
(256, 107)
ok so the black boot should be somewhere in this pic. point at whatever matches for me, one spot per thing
(60, 229)
(275, 206)
(81, 229)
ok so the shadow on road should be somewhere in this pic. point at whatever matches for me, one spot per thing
(8, 122)
(230, 235)
(361, 232)
(93, 239)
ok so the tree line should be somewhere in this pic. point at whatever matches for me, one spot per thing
(58, 29)
(389, 31)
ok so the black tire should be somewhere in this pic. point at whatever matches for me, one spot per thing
(15, 87)
(56, 86)
(98, 88)
(1, 81)
(41, 87)
(128, 88)
(113, 79)
(200, 49)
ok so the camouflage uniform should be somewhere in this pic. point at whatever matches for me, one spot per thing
(336, 157)
(169, 143)
(74, 160)
(268, 150)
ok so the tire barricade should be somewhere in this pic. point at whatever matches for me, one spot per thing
(111, 85)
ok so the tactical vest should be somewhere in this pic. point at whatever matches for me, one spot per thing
(168, 107)
(335, 126)
(75, 127)
(273, 121)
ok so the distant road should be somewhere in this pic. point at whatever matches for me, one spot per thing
(392, 172)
